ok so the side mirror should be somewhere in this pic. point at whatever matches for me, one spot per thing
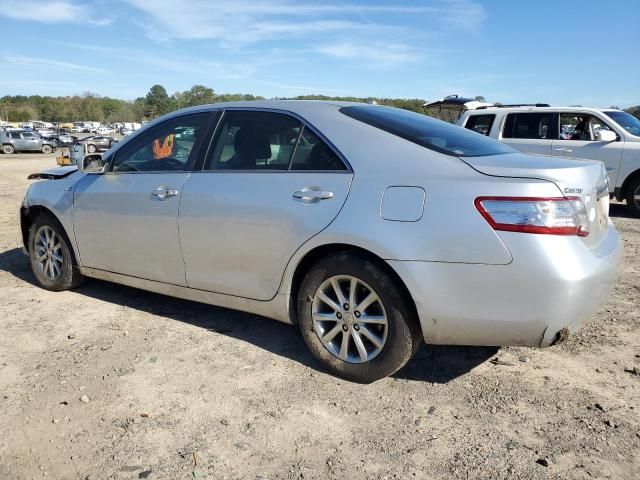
(93, 164)
(606, 136)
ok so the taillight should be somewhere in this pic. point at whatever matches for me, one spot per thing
(551, 216)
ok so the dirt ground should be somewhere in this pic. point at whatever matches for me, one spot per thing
(173, 390)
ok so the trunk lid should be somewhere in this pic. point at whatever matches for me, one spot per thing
(586, 179)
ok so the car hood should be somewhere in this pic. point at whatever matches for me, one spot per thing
(54, 173)
(586, 179)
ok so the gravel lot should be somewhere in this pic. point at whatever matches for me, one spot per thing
(112, 382)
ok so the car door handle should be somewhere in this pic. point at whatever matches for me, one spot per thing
(162, 193)
(312, 195)
(563, 150)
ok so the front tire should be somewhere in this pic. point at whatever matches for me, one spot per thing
(8, 149)
(633, 197)
(50, 255)
(355, 319)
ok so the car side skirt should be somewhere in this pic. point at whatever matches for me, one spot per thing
(276, 309)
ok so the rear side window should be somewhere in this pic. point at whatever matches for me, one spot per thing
(250, 140)
(480, 123)
(313, 154)
(427, 131)
(260, 140)
(529, 125)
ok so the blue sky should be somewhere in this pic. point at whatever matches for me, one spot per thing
(572, 52)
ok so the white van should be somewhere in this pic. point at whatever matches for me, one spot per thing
(611, 136)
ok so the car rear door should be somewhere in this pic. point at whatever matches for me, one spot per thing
(269, 183)
(530, 132)
(33, 141)
(578, 140)
(126, 220)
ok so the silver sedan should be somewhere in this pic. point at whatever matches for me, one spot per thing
(372, 228)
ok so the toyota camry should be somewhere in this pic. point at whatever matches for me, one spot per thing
(372, 228)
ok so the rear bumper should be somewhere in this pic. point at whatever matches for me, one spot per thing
(553, 283)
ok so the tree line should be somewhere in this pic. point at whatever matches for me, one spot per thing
(89, 106)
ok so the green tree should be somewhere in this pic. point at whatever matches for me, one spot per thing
(197, 95)
(158, 102)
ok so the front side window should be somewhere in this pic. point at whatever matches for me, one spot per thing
(254, 140)
(537, 126)
(427, 131)
(169, 146)
(480, 123)
(580, 126)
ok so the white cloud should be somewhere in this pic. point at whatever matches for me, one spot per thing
(239, 22)
(378, 54)
(43, 11)
(45, 63)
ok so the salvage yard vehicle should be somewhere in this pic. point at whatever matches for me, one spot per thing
(23, 141)
(609, 135)
(98, 143)
(371, 227)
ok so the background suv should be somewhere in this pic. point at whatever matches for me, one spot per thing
(611, 136)
(11, 142)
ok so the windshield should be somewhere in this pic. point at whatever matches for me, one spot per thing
(627, 121)
(428, 132)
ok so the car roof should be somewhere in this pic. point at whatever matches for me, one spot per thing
(295, 106)
(484, 111)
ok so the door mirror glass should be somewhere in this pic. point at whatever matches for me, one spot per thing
(93, 164)
(606, 136)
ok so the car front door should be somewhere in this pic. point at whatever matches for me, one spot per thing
(19, 143)
(530, 132)
(578, 140)
(268, 185)
(126, 220)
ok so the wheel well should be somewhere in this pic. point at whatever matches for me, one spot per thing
(322, 251)
(627, 182)
(27, 217)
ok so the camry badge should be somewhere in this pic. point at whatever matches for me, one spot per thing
(572, 190)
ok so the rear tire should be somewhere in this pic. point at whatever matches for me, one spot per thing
(46, 149)
(633, 197)
(381, 336)
(8, 149)
(50, 255)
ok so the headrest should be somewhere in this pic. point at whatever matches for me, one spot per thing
(252, 143)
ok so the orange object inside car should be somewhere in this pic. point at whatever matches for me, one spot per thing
(164, 149)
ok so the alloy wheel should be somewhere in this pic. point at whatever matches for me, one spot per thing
(349, 319)
(48, 252)
(636, 197)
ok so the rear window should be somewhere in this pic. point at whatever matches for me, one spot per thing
(538, 126)
(427, 132)
(480, 123)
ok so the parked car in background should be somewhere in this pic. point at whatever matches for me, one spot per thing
(62, 139)
(98, 143)
(105, 131)
(611, 136)
(23, 141)
(126, 131)
(372, 227)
